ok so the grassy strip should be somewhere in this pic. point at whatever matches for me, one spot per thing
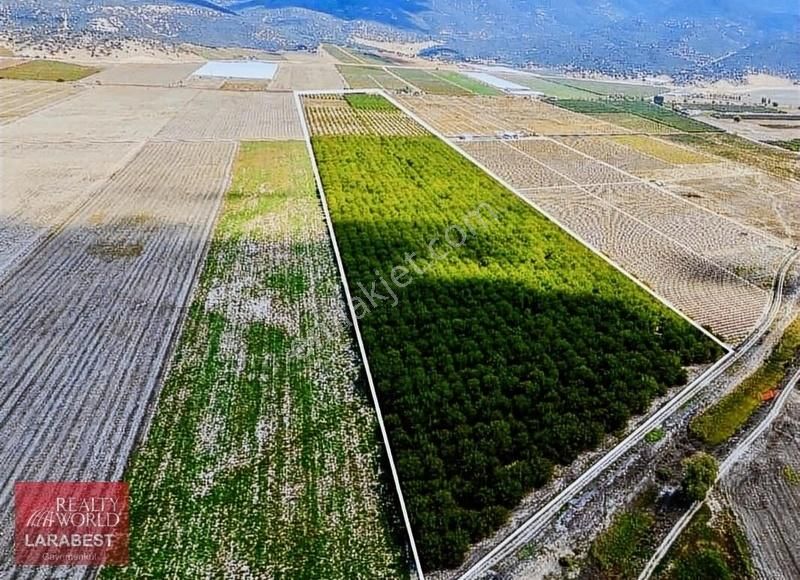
(708, 549)
(514, 350)
(721, 421)
(47, 70)
(262, 459)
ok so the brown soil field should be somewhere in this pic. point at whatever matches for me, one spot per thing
(479, 115)
(697, 286)
(104, 113)
(307, 77)
(158, 75)
(616, 154)
(512, 165)
(758, 200)
(576, 167)
(86, 320)
(21, 98)
(226, 115)
(764, 490)
(38, 196)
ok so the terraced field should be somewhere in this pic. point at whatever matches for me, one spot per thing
(264, 422)
(449, 352)
(87, 319)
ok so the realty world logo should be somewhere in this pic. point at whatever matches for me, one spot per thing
(71, 523)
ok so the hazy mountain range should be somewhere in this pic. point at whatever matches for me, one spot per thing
(679, 37)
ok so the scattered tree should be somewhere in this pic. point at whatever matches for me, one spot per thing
(700, 473)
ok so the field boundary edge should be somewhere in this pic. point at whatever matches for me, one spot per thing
(354, 320)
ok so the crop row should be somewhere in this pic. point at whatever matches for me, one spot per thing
(262, 459)
(357, 115)
(86, 322)
(509, 347)
(643, 109)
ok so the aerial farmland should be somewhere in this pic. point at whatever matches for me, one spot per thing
(346, 315)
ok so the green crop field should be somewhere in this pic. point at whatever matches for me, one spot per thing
(610, 88)
(642, 109)
(263, 458)
(550, 88)
(371, 77)
(499, 345)
(449, 83)
(471, 85)
(47, 70)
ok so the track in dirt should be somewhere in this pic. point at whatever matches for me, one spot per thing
(87, 319)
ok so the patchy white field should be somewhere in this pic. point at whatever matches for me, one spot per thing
(227, 115)
(87, 319)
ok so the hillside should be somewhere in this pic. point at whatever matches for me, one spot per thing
(627, 37)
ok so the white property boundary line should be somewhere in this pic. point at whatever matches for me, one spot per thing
(354, 319)
(550, 217)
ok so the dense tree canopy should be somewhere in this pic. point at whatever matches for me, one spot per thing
(700, 473)
(505, 346)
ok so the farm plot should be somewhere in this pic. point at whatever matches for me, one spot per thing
(338, 116)
(372, 77)
(159, 75)
(746, 253)
(513, 166)
(768, 159)
(480, 115)
(340, 54)
(47, 70)
(550, 88)
(303, 77)
(86, 322)
(223, 115)
(106, 113)
(636, 124)
(634, 90)
(513, 293)
(764, 490)
(616, 153)
(21, 98)
(264, 421)
(577, 168)
(642, 109)
(429, 82)
(755, 199)
(38, 196)
(713, 297)
(663, 150)
(471, 85)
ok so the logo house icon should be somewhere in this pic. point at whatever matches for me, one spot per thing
(42, 519)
